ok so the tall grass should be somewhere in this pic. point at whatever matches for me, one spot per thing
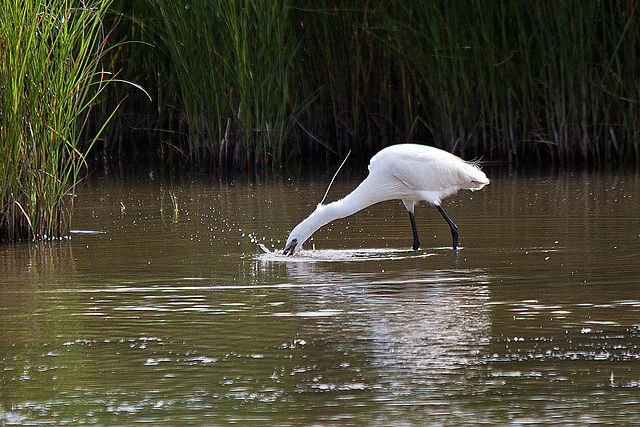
(230, 62)
(259, 83)
(49, 77)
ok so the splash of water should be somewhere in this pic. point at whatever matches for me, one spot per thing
(333, 255)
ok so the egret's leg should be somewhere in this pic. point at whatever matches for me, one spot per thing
(416, 240)
(454, 229)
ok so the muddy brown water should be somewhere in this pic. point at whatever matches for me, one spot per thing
(152, 316)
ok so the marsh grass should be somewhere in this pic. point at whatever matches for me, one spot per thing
(50, 76)
(523, 80)
(259, 84)
(230, 62)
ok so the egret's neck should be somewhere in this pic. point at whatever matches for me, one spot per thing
(324, 214)
(358, 199)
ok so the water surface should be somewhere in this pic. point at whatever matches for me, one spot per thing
(157, 316)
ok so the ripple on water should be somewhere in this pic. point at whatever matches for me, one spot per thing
(88, 232)
(342, 255)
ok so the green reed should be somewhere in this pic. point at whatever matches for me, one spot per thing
(230, 62)
(268, 83)
(528, 80)
(49, 78)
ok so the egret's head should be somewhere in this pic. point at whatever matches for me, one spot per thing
(303, 231)
(296, 238)
(291, 246)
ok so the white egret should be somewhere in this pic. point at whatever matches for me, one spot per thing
(409, 172)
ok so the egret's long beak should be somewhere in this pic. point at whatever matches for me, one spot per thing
(291, 248)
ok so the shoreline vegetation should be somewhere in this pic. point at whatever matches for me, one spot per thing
(243, 85)
(50, 78)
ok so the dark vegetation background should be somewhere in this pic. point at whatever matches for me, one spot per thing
(244, 84)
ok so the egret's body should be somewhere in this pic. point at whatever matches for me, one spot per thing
(409, 172)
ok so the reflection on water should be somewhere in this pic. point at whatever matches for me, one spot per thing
(196, 317)
(417, 328)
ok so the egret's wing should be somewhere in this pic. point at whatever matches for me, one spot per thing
(429, 173)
